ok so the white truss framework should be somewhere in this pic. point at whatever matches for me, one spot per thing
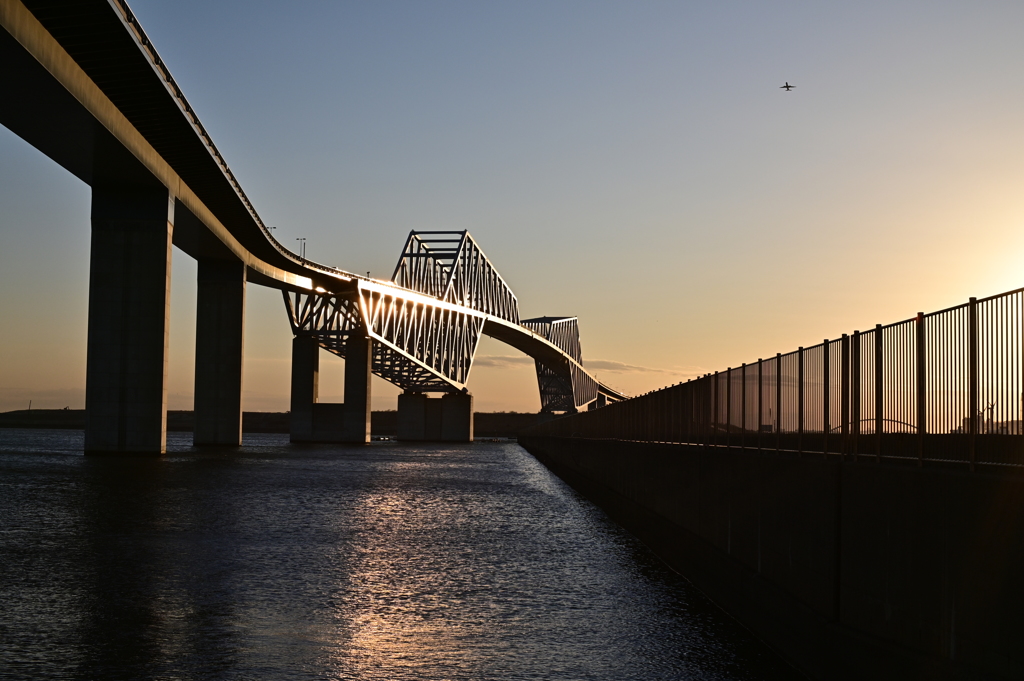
(559, 392)
(450, 266)
(420, 345)
(427, 324)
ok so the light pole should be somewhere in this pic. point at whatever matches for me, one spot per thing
(302, 246)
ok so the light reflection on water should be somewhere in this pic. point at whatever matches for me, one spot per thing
(383, 562)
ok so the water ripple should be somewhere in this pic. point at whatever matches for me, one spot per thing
(327, 562)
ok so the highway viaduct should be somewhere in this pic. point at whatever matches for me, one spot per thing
(84, 85)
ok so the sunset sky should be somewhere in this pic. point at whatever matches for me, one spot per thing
(631, 163)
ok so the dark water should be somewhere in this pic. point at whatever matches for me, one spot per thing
(325, 562)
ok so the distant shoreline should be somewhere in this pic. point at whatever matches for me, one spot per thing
(485, 424)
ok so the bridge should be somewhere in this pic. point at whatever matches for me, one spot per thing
(858, 503)
(83, 83)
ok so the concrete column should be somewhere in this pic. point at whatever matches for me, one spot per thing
(129, 297)
(445, 419)
(220, 316)
(432, 415)
(358, 370)
(305, 386)
(457, 417)
(412, 414)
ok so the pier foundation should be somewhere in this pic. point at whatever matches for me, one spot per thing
(445, 419)
(313, 421)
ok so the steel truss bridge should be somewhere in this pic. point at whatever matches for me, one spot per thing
(427, 321)
(83, 83)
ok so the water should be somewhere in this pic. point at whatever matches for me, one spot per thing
(282, 561)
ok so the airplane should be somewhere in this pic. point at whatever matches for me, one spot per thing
(787, 87)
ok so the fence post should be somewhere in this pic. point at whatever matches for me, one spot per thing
(972, 345)
(844, 395)
(800, 400)
(922, 400)
(705, 410)
(855, 385)
(778, 401)
(826, 398)
(728, 406)
(675, 423)
(674, 412)
(879, 396)
(760, 397)
(667, 412)
(743, 405)
(714, 408)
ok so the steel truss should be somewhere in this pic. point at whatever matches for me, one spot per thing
(418, 346)
(558, 391)
(450, 266)
(427, 324)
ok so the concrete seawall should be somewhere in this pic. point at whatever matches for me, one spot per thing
(851, 570)
(486, 424)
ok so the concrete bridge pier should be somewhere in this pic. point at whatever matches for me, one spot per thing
(358, 372)
(220, 317)
(305, 387)
(129, 297)
(425, 419)
(313, 421)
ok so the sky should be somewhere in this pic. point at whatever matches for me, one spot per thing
(631, 163)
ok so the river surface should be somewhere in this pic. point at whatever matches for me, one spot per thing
(280, 561)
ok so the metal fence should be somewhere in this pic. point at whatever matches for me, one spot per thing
(945, 386)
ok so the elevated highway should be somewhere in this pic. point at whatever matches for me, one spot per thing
(83, 83)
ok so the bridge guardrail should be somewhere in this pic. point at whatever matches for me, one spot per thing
(944, 386)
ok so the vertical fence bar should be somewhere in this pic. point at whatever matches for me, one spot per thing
(922, 396)
(728, 406)
(743, 405)
(705, 409)
(844, 395)
(778, 401)
(855, 396)
(826, 385)
(714, 406)
(800, 400)
(879, 394)
(972, 390)
(676, 414)
(702, 408)
(760, 400)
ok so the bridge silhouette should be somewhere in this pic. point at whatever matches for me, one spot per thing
(85, 86)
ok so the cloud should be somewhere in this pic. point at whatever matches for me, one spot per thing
(502, 361)
(613, 366)
(618, 367)
(593, 365)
